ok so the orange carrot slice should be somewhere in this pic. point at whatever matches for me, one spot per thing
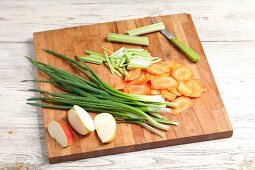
(145, 79)
(160, 83)
(196, 87)
(176, 92)
(147, 89)
(155, 92)
(182, 74)
(119, 85)
(133, 74)
(137, 80)
(165, 75)
(182, 104)
(157, 69)
(167, 64)
(176, 65)
(151, 77)
(168, 95)
(184, 89)
(136, 89)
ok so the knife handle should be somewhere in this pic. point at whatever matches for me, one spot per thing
(192, 55)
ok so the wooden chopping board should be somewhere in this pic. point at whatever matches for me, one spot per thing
(205, 120)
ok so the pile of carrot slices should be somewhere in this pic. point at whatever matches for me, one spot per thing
(171, 80)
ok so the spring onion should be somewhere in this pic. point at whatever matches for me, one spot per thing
(147, 29)
(94, 95)
(128, 39)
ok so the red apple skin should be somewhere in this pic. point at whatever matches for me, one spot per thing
(67, 131)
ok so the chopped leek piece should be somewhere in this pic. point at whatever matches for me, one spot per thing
(128, 39)
(147, 29)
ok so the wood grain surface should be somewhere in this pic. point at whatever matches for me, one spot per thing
(226, 31)
(205, 120)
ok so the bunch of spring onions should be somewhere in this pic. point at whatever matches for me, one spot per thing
(94, 95)
(121, 60)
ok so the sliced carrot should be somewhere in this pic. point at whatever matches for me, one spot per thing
(155, 92)
(147, 89)
(176, 92)
(184, 89)
(165, 75)
(176, 65)
(145, 79)
(160, 83)
(157, 69)
(167, 64)
(138, 80)
(136, 89)
(182, 74)
(168, 95)
(125, 90)
(132, 74)
(196, 87)
(119, 85)
(151, 77)
(182, 104)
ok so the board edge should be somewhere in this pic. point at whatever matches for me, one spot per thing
(144, 146)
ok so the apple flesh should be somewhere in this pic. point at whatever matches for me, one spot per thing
(105, 125)
(59, 131)
(80, 120)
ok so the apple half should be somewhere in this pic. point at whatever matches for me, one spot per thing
(80, 120)
(105, 125)
(59, 131)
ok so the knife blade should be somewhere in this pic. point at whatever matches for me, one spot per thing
(188, 52)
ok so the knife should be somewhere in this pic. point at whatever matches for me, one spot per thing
(189, 53)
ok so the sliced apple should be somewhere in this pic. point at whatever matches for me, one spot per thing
(105, 126)
(80, 120)
(59, 131)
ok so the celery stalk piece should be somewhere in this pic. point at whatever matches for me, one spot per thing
(92, 59)
(147, 29)
(95, 56)
(125, 71)
(158, 60)
(118, 73)
(93, 53)
(121, 70)
(140, 62)
(128, 39)
(122, 61)
(131, 66)
(115, 54)
(115, 71)
(135, 49)
(139, 52)
(108, 62)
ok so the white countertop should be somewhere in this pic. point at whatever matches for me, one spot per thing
(228, 37)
